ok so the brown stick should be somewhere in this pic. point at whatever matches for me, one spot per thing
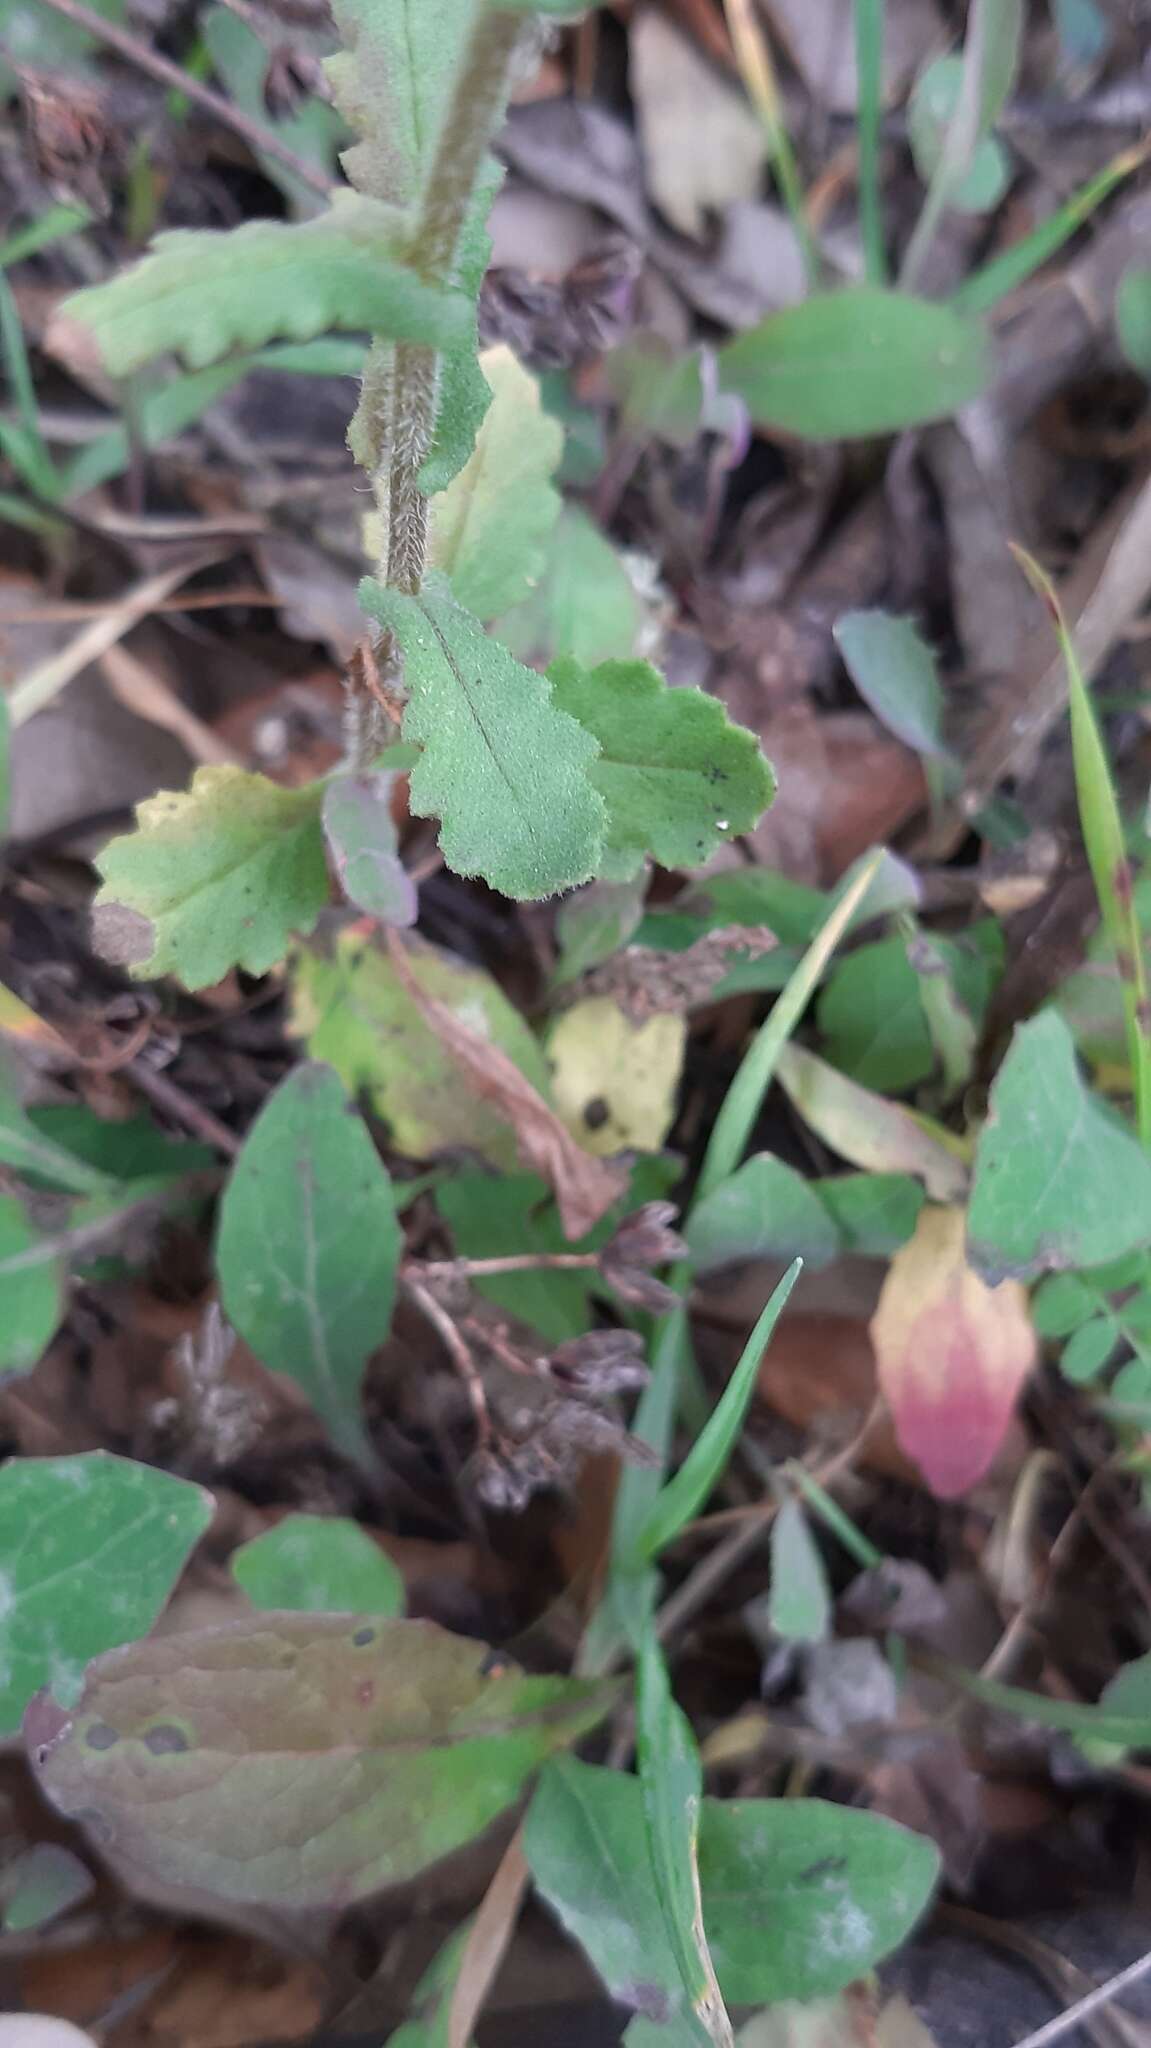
(256, 136)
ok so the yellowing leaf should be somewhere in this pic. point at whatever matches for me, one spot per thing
(613, 1081)
(217, 876)
(489, 526)
(952, 1353)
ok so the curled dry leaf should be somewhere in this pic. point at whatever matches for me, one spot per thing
(584, 1188)
(953, 1353)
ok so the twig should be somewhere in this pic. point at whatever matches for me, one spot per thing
(145, 58)
(515, 1262)
(167, 1096)
(422, 1298)
(38, 687)
(1103, 1994)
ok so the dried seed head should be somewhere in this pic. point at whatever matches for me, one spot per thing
(643, 1240)
(601, 1363)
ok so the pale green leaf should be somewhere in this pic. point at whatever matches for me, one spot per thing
(91, 1548)
(866, 1129)
(40, 1884)
(799, 1602)
(352, 1010)
(392, 82)
(1133, 317)
(585, 603)
(31, 1288)
(308, 1246)
(895, 672)
(505, 770)
(930, 112)
(201, 294)
(301, 1761)
(1058, 1181)
(856, 363)
(464, 394)
(593, 923)
(677, 777)
(318, 1564)
(765, 1209)
(1088, 1349)
(218, 876)
(361, 835)
(488, 528)
(671, 1796)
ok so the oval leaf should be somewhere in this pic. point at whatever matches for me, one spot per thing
(318, 1564)
(856, 363)
(304, 1762)
(361, 834)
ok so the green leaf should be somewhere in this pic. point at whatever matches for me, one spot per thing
(685, 1494)
(31, 1286)
(432, 1998)
(128, 1150)
(777, 1876)
(874, 1212)
(33, 1152)
(91, 1547)
(856, 363)
(392, 82)
(1133, 317)
(312, 129)
(1088, 1350)
(1061, 1303)
(214, 877)
(671, 1793)
(308, 1246)
(353, 1011)
(868, 1130)
(201, 294)
(585, 604)
(318, 1564)
(311, 1760)
(39, 1884)
(895, 672)
(489, 527)
(361, 836)
(677, 777)
(464, 392)
(870, 1014)
(594, 922)
(765, 1210)
(502, 767)
(930, 111)
(799, 1602)
(1058, 1182)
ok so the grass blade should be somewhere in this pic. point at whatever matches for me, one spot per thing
(758, 73)
(1102, 828)
(869, 24)
(986, 286)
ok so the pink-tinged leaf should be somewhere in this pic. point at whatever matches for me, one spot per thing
(301, 1761)
(361, 836)
(952, 1353)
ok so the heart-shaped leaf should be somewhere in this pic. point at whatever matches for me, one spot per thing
(301, 1761)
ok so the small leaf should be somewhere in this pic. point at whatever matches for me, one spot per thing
(91, 1548)
(1133, 317)
(361, 835)
(489, 526)
(584, 604)
(874, 1212)
(1088, 1350)
(764, 1210)
(594, 922)
(870, 1013)
(39, 1884)
(216, 877)
(615, 1082)
(318, 1564)
(867, 1130)
(311, 1760)
(677, 777)
(353, 1011)
(392, 82)
(1058, 1181)
(952, 1354)
(685, 1493)
(930, 111)
(201, 294)
(856, 363)
(308, 1246)
(31, 1289)
(1061, 1303)
(505, 771)
(799, 1603)
(895, 672)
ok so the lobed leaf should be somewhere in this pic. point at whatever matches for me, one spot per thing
(318, 1564)
(201, 294)
(392, 82)
(1058, 1181)
(218, 876)
(505, 770)
(91, 1548)
(489, 526)
(677, 777)
(308, 1246)
(300, 1761)
(856, 363)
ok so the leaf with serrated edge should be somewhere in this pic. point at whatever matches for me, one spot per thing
(202, 294)
(91, 1548)
(391, 82)
(503, 768)
(318, 1564)
(488, 527)
(217, 876)
(677, 777)
(308, 1246)
(952, 1353)
(300, 1761)
(1058, 1182)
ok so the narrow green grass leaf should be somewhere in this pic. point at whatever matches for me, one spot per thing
(869, 29)
(684, 1495)
(308, 1247)
(1000, 275)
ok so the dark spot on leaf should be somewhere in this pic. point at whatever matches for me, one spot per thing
(364, 1636)
(166, 1740)
(122, 936)
(100, 1736)
(827, 1866)
(596, 1113)
(648, 1999)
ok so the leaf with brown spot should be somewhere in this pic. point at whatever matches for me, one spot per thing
(321, 1758)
